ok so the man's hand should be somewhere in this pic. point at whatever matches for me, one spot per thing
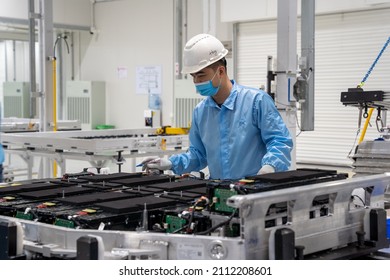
(266, 169)
(153, 163)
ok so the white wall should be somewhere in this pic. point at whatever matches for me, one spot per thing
(14, 9)
(72, 12)
(137, 33)
(131, 34)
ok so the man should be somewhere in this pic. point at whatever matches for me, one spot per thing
(236, 131)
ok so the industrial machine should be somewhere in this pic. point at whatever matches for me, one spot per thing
(370, 156)
(17, 100)
(18, 125)
(97, 141)
(298, 214)
(86, 102)
(14, 125)
(98, 147)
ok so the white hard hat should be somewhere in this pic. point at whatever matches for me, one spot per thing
(201, 51)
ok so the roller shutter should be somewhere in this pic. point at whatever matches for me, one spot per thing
(346, 46)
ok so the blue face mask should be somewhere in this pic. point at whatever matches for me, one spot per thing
(207, 88)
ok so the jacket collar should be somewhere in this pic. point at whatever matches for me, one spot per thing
(229, 102)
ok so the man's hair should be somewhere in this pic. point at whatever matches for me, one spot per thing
(221, 62)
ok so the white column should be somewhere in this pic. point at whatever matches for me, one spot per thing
(286, 66)
(46, 47)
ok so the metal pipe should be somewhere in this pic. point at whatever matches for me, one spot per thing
(46, 52)
(31, 19)
(286, 66)
(6, 61)
(59, 80)
(92, 28)
(42, 77)
(14, 59)
(234, 49)
(307, 52)
(72, 57)
(185, 20)
(179, 37)
(286, 51)
(209, 17)
(33, 77)
(45, 28)
(54, 64)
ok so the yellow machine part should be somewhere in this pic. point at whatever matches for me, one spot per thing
(167, 130)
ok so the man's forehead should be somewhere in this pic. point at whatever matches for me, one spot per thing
(203, 71)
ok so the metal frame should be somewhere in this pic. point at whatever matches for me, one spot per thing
(62, 145)
(338, 229)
